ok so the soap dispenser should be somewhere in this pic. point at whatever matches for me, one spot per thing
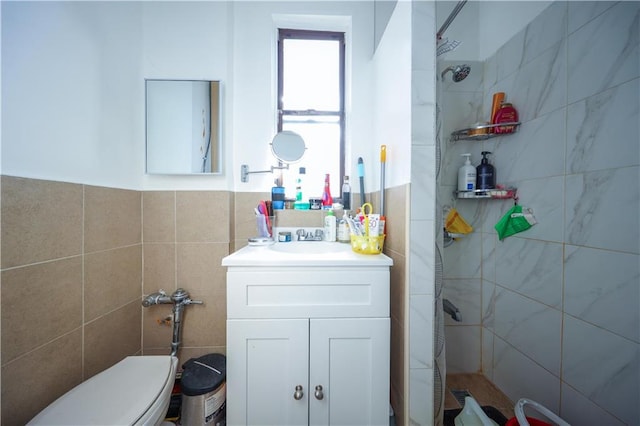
(466, 175)
(486, 174)
(330, 226)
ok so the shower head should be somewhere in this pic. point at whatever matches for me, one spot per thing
(460, 72)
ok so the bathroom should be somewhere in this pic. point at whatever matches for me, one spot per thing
(76, 201)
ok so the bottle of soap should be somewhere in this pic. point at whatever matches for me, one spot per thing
(466, 175)
(485, 173)
(330, 226)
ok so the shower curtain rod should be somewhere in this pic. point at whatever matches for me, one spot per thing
(450, 19)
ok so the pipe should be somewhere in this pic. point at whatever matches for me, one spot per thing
(450, 19)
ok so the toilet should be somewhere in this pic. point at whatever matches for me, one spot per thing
(135, 391)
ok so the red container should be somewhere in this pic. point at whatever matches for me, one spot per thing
(506, 114)
(533, 422)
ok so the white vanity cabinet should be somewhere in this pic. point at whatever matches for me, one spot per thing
(308, 345)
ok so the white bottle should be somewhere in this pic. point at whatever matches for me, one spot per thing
(330, 226)
(466, 175)
(344, 236)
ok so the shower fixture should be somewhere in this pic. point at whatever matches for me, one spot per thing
(460, 72)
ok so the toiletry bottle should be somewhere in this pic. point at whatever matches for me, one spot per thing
(346, 194)
(344, 235)
(277, 197)
(300, 203)
(327, 199)
(498, 98)
(466, 175)
(506, 114)
(486, 174)
(330, 226)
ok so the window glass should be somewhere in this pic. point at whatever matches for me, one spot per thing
(311, 103)
(311, 75)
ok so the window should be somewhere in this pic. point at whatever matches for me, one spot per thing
(311, 103)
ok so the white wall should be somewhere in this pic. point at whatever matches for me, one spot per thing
(254, 68)
(189, 40)
(68, 75)
(74, 74)
(392, 116)
(483, 26)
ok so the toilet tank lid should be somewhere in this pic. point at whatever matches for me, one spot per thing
(119, 395)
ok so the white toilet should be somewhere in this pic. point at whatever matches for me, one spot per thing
(135, 391)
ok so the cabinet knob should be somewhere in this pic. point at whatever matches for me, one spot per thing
(318, 393)
(298, 394)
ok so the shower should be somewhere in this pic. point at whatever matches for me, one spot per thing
(460, 72)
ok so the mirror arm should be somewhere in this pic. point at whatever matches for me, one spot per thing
(244, 171)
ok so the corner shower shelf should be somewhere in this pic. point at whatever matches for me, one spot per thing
(494, 194)
(482, 132)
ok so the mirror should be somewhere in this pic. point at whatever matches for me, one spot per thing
(183, 127)
(288, 146)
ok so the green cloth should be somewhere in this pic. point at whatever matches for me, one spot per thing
(512, 222)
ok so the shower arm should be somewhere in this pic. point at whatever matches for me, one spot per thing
(450, 19)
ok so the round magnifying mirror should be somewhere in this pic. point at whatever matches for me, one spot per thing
(288, 146)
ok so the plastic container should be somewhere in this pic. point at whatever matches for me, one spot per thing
(485, 173)
(472, 415)
(466, 175)
(204, 393)
(521, 420)
(365, 244)
(330, 226)
(506, 114)
(346, 194)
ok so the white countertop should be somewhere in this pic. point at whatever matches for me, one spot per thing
(304, 253)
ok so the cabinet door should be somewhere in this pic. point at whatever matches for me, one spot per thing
(349, 358)
(266, 360)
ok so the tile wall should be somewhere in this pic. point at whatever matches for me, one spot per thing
(185, 235)
(552, 313)
(77, 259)
(71, 274)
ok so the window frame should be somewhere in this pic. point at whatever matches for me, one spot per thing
(296, 34)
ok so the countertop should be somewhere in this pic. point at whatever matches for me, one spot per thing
(304, 253)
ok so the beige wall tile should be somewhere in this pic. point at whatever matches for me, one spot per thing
(40, 303)
(112, 218)
(244, 215)
(302, 218)
(112, 337)
(398, 291)
(396, 202)
(397, 367)
(41, 220)
(201, 274)
(33, 381)
(159, 267)
(157, 335)
(202, 216)
(112, 279)
(159, 216)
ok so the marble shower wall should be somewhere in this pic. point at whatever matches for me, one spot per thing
(552, 313)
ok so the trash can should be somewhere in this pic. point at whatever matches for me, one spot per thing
(204, 391)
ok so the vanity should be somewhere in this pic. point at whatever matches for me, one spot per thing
(307, 335)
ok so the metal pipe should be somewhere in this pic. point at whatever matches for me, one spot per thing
(450, 19)
(180, 298)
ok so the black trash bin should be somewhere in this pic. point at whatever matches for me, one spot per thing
(204, 391)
